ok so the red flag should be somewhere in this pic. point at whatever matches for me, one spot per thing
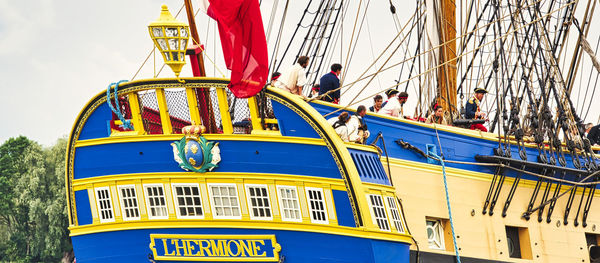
(244, 44)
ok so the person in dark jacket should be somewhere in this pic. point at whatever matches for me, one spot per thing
(331, 82)
(594, 135)
(473, 111)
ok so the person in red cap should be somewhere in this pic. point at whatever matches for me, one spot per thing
(274, 78)
(473, 110)
(314, 92)
(393, 106)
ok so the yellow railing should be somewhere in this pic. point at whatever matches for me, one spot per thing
(162, 114)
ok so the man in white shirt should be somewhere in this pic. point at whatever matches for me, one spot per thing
(393, 107)
(294, 78)
(357, 129)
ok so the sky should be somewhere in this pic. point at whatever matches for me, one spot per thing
(55, 55)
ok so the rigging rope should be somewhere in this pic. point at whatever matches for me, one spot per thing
(537, 20)
(447, 201)
(117, 109)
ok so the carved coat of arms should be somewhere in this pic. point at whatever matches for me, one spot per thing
(194, 153)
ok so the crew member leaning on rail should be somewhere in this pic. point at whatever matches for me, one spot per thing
(473, 110)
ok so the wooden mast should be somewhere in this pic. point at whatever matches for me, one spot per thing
(447, 72)
(197, 63)
(195, 47)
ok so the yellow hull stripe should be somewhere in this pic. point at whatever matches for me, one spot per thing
(80, 184)
(267, 225)
(210, 137)
(462, 173)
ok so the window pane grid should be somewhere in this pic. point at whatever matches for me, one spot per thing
(317, 206)
(379, 212)
(395, 214)
(259, 202)
(225, 201)
(129, 201)
(156, 202)
(290, 207)
(189, 203)
(104, 205)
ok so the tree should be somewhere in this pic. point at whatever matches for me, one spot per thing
(33, 201)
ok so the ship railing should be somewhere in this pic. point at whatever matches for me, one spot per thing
(166, 109)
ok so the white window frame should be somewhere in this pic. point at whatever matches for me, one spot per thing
(210, 194)
(250, 207)
(382, 207)
(391, 211)
(122, 201)
(311, 210)
(175, 197)
(147, 198)
(440, 233)
(112, 211)
(282, 209)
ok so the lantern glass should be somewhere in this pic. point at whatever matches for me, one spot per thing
(157, 32)
(163, 44)
(172, 32)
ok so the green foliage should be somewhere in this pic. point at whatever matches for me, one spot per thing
(33, 213)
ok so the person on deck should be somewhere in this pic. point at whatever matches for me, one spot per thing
(357, 128)
(473, 110)
(437, 116)
(594, 135)
(294, 78)
(314, 92)
(274, 78)
(394, 106)
(330, 84)
(340, 125)
(588, 127)
(377, 104)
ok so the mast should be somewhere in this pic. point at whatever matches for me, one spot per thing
(447, 73)
(197, 63)
(195, 51)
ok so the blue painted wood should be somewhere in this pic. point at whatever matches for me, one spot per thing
(133, 246)
(454, 146)
(369, 167)
(95, 126)
(84, 211)
(236, 156)
(343, 209)
(291, 124)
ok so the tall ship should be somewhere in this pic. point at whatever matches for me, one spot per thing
(237, 170)
(180, 169)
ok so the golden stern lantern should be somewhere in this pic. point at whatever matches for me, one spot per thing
(170, 37)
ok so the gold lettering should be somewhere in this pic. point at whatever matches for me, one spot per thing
(256, 248)
(246, 248)
(199, 252)
(175, 242)
(238, 249)
(203, 248)
(164, 240)
(189, 247)
(218, 248)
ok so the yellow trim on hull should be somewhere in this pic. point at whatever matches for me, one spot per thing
(210, 137)
(462, 173)
(80, 184)
(269, 225)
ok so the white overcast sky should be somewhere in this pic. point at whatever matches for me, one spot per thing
(55, 55)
